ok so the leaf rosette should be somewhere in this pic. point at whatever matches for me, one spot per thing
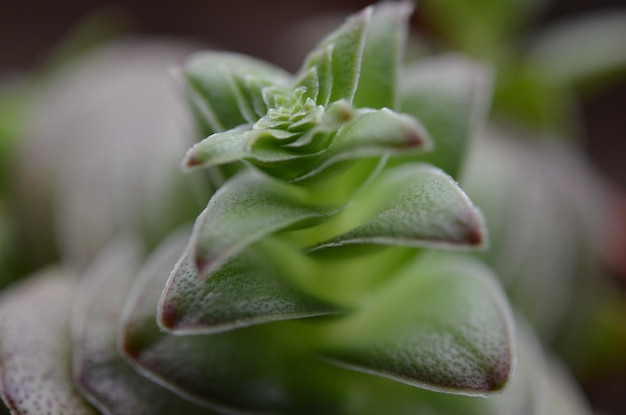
(315, 281)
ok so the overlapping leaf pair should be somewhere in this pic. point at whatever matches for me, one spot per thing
(310, 264)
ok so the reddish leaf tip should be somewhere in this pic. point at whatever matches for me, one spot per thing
(192, 160)
(168, 318)
(415, 140)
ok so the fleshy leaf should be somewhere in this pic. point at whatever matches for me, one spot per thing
(108, 380)
(35, 354)
(525, 393)
(264, 368)
(382, 55)
(442, 324)
(217, 149)
(428, 209)
(244, 210)
(449, 95)
(247, 290)
(224, 87)
(343, 50)
(373, 133)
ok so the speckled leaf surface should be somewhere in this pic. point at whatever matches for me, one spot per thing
(428, 209)
(246, 290)
(35, 354)
(263, 368)
(101, 372)
(244, 210)
(450, 97)
(441, 324)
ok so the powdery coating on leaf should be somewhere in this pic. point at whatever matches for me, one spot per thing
(442, 324)
(429, 210)
(251, 369)
(382, 55)
(244, 210)
(244, 291)
(35, 348)
(100, 371)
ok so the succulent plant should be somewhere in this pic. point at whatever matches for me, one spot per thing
(324, 275)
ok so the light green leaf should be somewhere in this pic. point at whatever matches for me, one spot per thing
(581, 51)
(35, 354)
(426, 209)
(450, 97)
(247, 290)
(103, 375)
(265, 368)
(372, 133)
(247, 208)
(382, 55)
(341, 51)
(217, 149)
(224, 87)
(441, 324)
(319, 61)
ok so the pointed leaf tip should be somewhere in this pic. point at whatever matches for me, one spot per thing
(442, 324)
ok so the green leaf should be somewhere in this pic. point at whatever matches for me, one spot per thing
(35, 354)
(450, 97)
(382, 55)
(224, 87)
(247, 290)
(103, 375)
(341, 52)
(244, 210)
(442, 324)
(217, 149)
(265, 368)
(373, 133)
(426, 209)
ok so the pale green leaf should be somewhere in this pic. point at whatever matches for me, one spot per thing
(372, 133)
(247, 290)
(525, 394)
(217, 149)
(264, 368)
(450, 97)
(247, 208)
(35, 350)
(103, 375)
(426, 209)
(441, 324)
(341, 50)
(224, 87)
(382, 55)
(319, 63)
